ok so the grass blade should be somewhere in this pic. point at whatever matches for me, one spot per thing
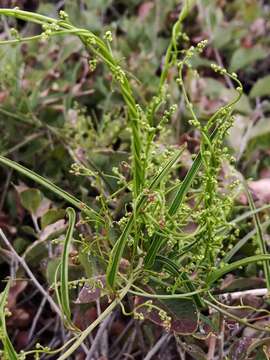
(242, 242)
(64, 294)
(119, 246)
(239, 320)
(249, 214)
(215, 275)
(173, 269)
(185, 185)
(261, 242)
(52, 187)
(9, 350)
(176, 203)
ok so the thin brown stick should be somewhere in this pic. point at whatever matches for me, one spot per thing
(212, 347)
(157, 346)
(221, 337)
(30, 274)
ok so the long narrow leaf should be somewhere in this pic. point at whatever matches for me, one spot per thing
(173, 269)
(119, 246)
(64, 293)
(261, 242)
(189, 178)
(52, 187)
(177, 201)
(9, 350)
(242, 242)
(215, 275)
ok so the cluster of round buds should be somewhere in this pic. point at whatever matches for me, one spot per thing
(184, 36)
(118, 74)
(108, 36)
(63, 15)
(190, 52)
(195, 123)
(39, 346)
(138, 316)
(22, 355)
(76, 169)
(166, 320)
(48, 29)
(167, 115)
(201, 45)
(14, 32)
(92, 64)
(219, 69)
(91, 40)
(7, 312)
(223, 71)
(149, 305)
(123, 221)
(72, 286)
(80, 170)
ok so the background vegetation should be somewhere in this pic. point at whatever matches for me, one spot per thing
(63, 115)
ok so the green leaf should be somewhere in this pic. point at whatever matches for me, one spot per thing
(31, 199)
(222, 36)
(51, 268)
(217, 274)
(184, 187)
(176, 203)
(52, 187)
(183, 313)
(51, 217)
(9, 351)
(243, 57)
(119, 246)
(261, 128)
(173, 269)
(64, 293)
(261, 87)
(261, 241)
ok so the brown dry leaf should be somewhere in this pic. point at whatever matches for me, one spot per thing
(43, 207)
(90, 293)
(52, 228)
(239, 349)
(15, 290)
(3, 95)
(145, 9)
(82, 319)
(20, 318)
(258, 28)
(183, 314)
(21, 187)
(253, 333)
(5, 225)
(260, 189)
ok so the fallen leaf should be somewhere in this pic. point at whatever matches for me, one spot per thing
(59, 225)
(183, 313)
(15, 290)
(260, 189)
(145, 9)
(258, 28)
(90, 293)
(261, 87)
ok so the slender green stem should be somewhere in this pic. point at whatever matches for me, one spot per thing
(103, 316)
